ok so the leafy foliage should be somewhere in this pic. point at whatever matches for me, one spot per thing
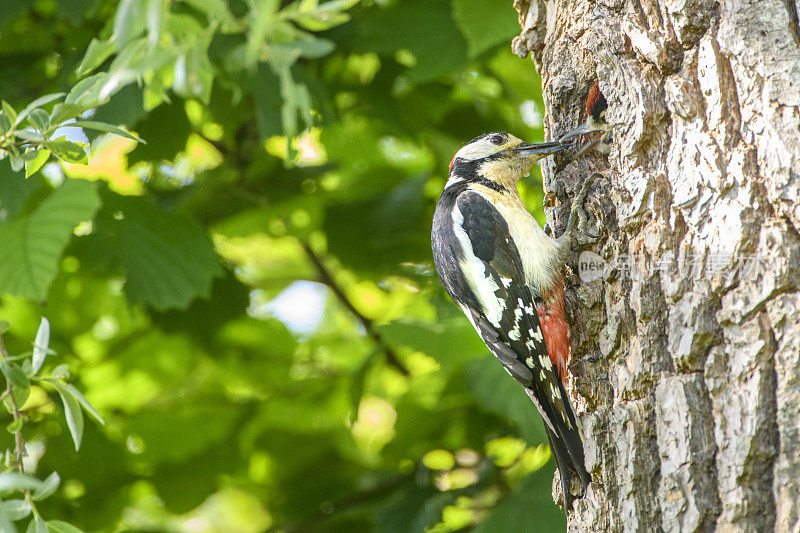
(225, 206)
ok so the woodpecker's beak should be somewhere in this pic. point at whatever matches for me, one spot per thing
(580, 130)
(541, 149)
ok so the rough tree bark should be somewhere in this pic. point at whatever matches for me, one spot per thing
(691, 407)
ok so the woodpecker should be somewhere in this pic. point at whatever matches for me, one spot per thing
(500, 267)
(596, 106)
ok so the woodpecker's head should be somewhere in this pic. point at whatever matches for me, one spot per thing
(596, 106)
(499, 157)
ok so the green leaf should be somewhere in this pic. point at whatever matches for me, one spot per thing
(5, 123)
(17, 509)
(86, 93)
(72, 411)
(84, 402)
(433, 39)
(155, 12)
(68, 151)
(215, 10)
(37, 525)
(321, 21)
(39, 102)
(9, 112)
(31, 245)
(168, 258)
(40, 120)
(59, 526)
(98, 51)
(497, 393)
(314, 47)
(15, 426)
(15, 191)
(19, 381)
(14, 375)
(61, 372)
(6, 524)
(29, 136)
(33, 165)
(63, 112)
(17, 162)
(15, 481)
(40, 345)
(108, 128)
(452, 341)
(47, 488)
(4, 326)
(129, 22)
(485, 23)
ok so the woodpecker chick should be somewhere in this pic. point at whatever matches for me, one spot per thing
(500, 267)
(596, 106)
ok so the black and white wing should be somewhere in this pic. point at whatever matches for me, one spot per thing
(491, 288)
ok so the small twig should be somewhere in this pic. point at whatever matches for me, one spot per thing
(324, 274)
(19, 443)
(326, 278)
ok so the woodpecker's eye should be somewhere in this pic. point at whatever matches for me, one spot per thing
(497, 139)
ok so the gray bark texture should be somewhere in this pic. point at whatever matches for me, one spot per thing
(686, 354)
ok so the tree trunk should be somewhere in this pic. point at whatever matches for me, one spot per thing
(686, 366)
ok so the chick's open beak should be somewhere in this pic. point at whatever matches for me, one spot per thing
(580, 130)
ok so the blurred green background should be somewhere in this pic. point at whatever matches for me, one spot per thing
(248, 299)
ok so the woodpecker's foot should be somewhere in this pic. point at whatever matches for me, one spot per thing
(577, 214)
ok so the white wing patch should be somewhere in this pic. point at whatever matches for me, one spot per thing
(481, 283)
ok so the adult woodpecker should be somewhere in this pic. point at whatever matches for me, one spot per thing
(596, 106)
(498, 264)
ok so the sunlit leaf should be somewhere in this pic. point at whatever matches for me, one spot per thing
(168, 259)
(16, 509)
(215, 10)
(68, 151)
(14, 481)
(40, 345)
(39, 102)
(84, 402)
(108, 128)
(32, 244)
(59, 526)
(6, 523)
(99, 50)
(72, 411)
(485, 23)
(129, 22)
(33, 165)
(47, 488)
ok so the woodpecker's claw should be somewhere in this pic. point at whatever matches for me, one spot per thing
(577, 216)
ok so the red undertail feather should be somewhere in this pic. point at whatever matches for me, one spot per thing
(555, 328)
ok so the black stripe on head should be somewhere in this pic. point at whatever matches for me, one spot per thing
(468, 171)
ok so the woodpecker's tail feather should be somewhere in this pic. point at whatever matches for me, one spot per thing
(567, 450)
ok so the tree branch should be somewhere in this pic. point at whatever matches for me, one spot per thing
(326, 277)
